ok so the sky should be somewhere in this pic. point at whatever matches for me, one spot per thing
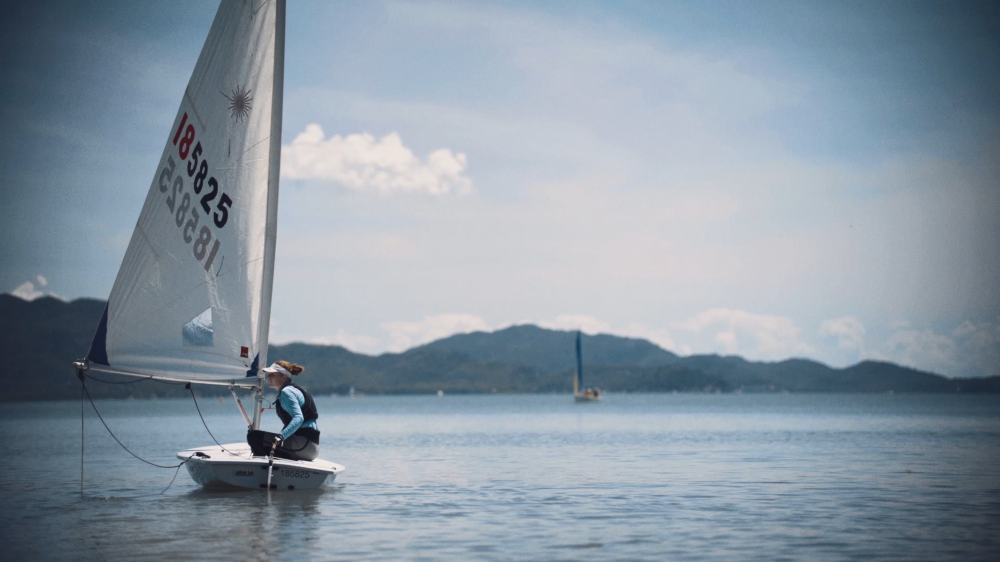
(768, 179)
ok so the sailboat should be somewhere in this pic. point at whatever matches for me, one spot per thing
(590, 394)
(192, 300)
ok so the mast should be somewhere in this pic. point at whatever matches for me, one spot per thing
(271, 227)
(578, 380)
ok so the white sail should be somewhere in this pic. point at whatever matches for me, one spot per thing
(192, 298)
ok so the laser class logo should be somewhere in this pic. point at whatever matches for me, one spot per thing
(239, 103)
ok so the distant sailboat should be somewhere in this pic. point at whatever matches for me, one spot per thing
(590, 394)
(192, 300)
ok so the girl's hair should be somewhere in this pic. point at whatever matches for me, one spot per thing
(292, 367)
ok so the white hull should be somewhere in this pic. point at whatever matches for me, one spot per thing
(585, 398)
(213, 467)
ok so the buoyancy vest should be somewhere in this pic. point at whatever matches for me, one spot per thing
(309, 411)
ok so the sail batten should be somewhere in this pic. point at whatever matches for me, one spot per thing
(191, 301)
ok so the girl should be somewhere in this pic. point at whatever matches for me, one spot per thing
(299, 439)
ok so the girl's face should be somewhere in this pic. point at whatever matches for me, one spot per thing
(276, 380)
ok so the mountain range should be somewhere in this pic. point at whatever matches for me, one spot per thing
(40, 339)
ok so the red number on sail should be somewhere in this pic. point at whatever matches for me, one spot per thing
(185, 145)
(180, 128)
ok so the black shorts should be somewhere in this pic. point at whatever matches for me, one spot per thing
(303, 445)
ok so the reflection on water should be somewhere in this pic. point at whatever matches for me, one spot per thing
(246, 525)
(646, 477)
(258, 525)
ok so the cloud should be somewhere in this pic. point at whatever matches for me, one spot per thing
(971, 350)
(363, 163)
(661, 338)
(27, 290)
(582, 322)
(756, 336)
(357, 343)
(848, 330)
(404, 335)
(591, 325)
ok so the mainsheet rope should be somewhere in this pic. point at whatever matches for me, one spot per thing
(86, 393)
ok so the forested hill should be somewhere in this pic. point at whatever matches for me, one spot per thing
(553, 350)
(40, 339)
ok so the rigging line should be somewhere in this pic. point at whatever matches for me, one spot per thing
(83, 433)
(205, 424)
(172, 479)
(87, 392)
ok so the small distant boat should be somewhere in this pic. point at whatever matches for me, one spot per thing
(590, 394)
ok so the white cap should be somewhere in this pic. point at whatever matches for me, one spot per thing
(275, 368)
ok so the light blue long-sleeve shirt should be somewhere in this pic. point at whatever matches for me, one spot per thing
(292, 401)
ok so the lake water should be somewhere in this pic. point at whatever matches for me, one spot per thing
(535, 477)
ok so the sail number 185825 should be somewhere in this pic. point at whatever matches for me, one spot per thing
(179, 202)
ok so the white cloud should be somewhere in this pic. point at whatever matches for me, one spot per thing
(971, 350)
(582, 322)
(29, 291)
(661, 338)
(355, 342)
(922, 349)
(755, 336)
(848, 330)
(358, 343)
(363, 163)
(592, 326)
(404, 335)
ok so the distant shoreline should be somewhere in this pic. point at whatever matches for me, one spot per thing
(49, 334)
